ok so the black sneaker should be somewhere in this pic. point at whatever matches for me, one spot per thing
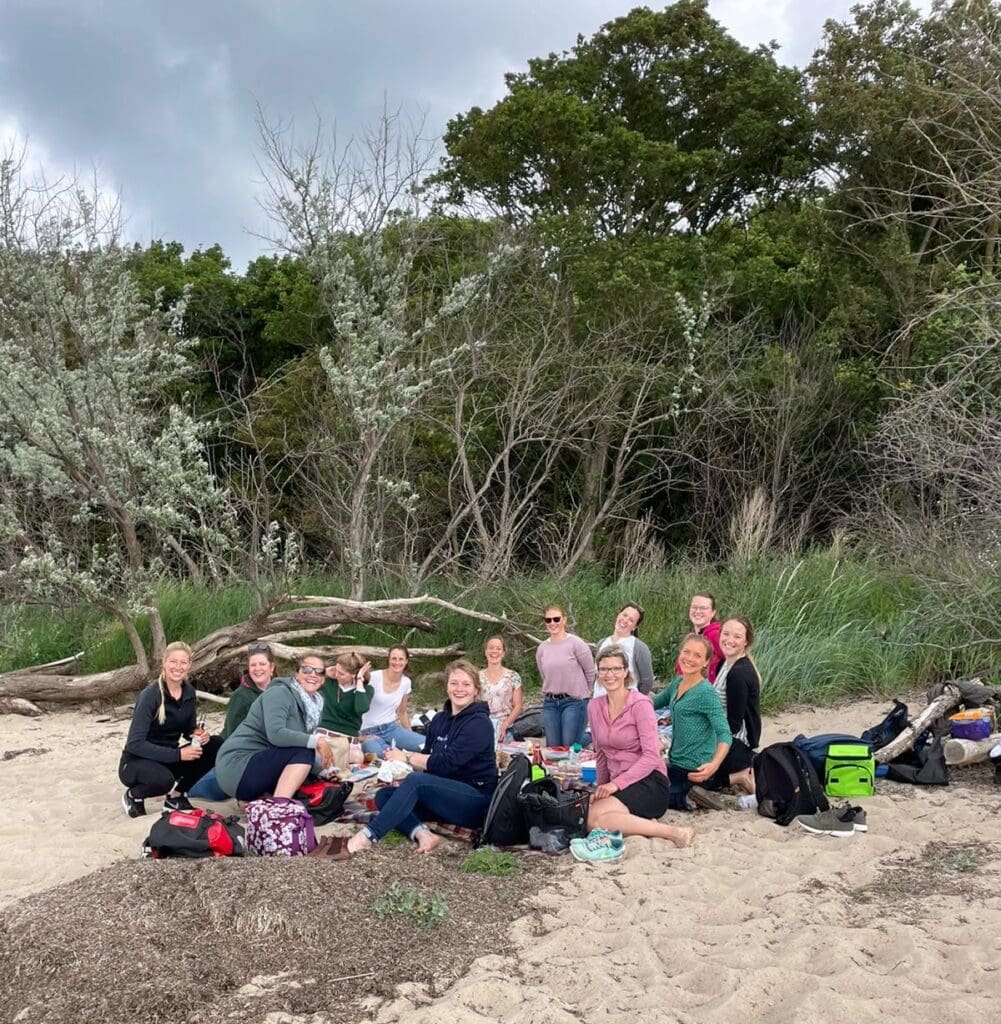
(177, 803)
(133, 806)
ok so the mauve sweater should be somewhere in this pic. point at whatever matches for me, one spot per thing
(566, 667)
(627, 749)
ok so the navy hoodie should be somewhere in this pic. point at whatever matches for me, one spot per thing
(461, 746)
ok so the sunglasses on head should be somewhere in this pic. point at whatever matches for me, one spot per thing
(552, 618)
(258, 648)
(312, 670)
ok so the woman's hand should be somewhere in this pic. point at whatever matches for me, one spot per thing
(703, 772)
(606, 789)
(362, 675)
(190, 752)
(395, 754)
(202, 735)
(326, 753)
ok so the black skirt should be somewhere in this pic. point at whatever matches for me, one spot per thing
(646, 798)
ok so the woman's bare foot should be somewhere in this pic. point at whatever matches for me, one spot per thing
(685, 837)
(743, 781)
(358, 842)
(426, 840)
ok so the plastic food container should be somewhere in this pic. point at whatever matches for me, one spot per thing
(589, 773)
(975, 724)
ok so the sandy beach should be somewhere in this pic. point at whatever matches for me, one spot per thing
(754, 923)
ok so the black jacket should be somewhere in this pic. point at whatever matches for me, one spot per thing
(147, 737)
(743, 699)
(462, 746)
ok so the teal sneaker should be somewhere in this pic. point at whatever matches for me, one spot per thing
(599, 846)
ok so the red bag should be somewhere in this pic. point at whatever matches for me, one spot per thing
(324, 800)
(196, 833)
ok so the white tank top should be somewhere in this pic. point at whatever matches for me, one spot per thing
(382, 710)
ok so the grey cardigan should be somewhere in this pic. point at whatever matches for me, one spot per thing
(275, 719)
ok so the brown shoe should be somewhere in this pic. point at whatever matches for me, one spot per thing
(707, 799)
(331, 848)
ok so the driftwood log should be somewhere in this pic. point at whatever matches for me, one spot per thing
(959, 752)
(19, 706)
(305, 619)
(932, 713)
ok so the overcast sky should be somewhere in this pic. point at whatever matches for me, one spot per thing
(160, 97)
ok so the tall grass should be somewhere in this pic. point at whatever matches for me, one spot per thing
(827, 626)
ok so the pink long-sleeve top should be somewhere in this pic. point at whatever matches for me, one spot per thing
(627, 749)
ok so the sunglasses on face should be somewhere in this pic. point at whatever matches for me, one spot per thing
(552, 618)
(312, 670)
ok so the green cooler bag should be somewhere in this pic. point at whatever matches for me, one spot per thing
(850, 770)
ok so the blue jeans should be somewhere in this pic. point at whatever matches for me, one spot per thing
(207, 788)
(564, 720)
(679, 785)
(423, 797)
(379, 739)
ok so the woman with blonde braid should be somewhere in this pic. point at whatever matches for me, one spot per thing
(166, 751)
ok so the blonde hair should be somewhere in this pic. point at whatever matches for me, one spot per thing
(350, 661)
(615, 651)
(174, 648)
(464, 666)
(706, 644)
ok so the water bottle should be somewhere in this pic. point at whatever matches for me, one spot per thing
(573, 761)
(748, 802)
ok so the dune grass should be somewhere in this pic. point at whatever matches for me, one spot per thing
(828, 627)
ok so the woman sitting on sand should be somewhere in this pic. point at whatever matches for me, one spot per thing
(701, 735)
(346, 695)
(386, 723)
(453, 779)
(166, 751)
(273, 749)
(632, 782)
(501, 688)
(739, 689)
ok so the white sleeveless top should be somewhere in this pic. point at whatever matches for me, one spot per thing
(382, 710)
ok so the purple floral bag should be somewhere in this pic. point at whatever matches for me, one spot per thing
(279, 827)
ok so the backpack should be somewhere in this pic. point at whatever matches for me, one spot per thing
(279, 827)
(324, 800)
(816, 747)
(850, 770)
(889, 729)
(196, 833)
(528, 723)
(505, 823)
(786, 783)
(546, 806)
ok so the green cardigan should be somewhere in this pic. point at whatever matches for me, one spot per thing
(698, 720)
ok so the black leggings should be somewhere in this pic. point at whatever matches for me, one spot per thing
(144, 777)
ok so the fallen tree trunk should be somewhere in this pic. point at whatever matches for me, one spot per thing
(18, 706)
(39, 683)
(932, 713)
(959, 752)
(68, 689)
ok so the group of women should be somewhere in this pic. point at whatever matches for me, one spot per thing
(286, 729)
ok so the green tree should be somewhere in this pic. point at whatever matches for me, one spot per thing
(661, 122)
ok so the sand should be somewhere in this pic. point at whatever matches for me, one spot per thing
(754, 923)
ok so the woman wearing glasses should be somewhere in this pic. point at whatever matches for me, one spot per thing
(273, 749)
(567, 670)
(632, 781)
(705, 623)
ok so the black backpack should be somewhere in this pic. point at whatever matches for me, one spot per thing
(197, 833)
(786, 784)
(505, 824)
(888, 729)
(528, 723)
(324, 800)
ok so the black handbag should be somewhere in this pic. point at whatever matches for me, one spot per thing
(546, 806)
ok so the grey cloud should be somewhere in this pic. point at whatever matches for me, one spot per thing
(162, 96)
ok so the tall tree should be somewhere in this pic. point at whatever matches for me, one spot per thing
(105, 486)
(661, 122)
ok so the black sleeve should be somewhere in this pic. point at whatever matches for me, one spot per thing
(138, 743)
(738, 692)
